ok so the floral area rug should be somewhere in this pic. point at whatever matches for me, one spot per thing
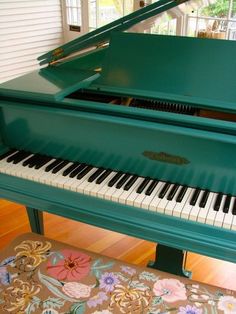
(39, 275)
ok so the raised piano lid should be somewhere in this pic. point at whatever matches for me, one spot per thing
(181, 69)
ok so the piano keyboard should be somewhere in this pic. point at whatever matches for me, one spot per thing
(172, 199)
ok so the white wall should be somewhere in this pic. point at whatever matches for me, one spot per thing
(28, 28)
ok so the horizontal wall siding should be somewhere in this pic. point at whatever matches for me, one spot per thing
(27, 29)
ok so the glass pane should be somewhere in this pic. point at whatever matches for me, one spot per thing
(108, 11)
(73, 12)
(102, 12)
(234, 10)
(128, 6)
(92, 14)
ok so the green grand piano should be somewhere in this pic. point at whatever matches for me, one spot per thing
(130, 132)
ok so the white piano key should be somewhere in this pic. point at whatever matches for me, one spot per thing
(61, 180)
(117, 193)
(24, 172)
(56, 177)
(141, 196)
(220, 215)
(187, 207)
(228, 220)
(204, 211)
(125, 195)
(111, 190)
(211, 212)
(164, 201)
(148, 198)
(36, 174)
(73, 183)
(171, 204)
(178, 208)
(233, 226)
(101, 193)
(90, 187)
(156, 200)
(195, 209)
(81, 187)
(4, 166)
(16, 169)
(131, 198)
(70, 182)
(100, 186)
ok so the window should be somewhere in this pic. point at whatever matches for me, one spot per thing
(217, 20)
(82, 16)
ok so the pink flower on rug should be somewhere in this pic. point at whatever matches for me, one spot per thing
(76, 290)
(74, 266)
(171, 290)
(227, 304)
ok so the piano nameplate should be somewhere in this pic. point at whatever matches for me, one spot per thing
(164, 157)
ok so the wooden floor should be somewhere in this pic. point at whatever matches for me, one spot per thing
(13, 222)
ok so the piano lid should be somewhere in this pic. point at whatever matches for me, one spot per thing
(50, 83)
(184, 69)
(102, 35)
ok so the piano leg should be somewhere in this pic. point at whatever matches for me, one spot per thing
(36, 220)
(170, 260)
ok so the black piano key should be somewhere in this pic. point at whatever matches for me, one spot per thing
(164, 190)
(96, 174)
(227, 204)
(70, 169)
(151, 187)
(172, 192)
(218, 202)
(234, 207)
(13, 157)
(204, 199)
(60, 166)
(103, 176)
(130, 182)
(28, 161)
(122, 180)
(36, 159)
(194, 197)
(116, 177)
(77, 170)
(21, 157)
(8, 153)
(84, 172)
(44, 160)
(143, 185)
(53, 164)
(181, 194)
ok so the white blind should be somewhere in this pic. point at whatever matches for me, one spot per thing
(27, 29)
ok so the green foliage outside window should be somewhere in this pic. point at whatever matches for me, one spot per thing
(218, 9)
